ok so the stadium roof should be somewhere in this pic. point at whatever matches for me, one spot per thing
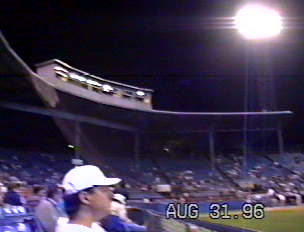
(148, 121)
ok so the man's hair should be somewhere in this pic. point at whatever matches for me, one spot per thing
(72, 203)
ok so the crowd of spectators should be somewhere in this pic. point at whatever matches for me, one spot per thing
(42, 194)
(30, 173)
(283, 172)
(32, 180)
(227, 177)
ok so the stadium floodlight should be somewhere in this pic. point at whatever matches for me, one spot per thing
(58, 68)
(77, 77)
(107, 88)
(258, 22)
(75, 148)
(140, 93)
(62, 74)
(91, 82)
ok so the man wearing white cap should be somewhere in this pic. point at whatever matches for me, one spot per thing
(88, 198)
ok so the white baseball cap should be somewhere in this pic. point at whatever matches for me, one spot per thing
(87, 176)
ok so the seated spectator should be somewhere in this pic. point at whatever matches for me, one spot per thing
(48, 210)
(118, 221)
(37, 194)
(12, 197)
(118, 207)
(3, 190)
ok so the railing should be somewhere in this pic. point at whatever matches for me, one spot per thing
(156, 222)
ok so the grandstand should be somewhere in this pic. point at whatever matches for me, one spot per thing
(116, 127)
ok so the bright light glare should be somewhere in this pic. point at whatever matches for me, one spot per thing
(258, 22)
(107, 88)
(77, 77)
(140, 93)
(91, 82)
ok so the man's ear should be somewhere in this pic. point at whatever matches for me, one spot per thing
(84, 197)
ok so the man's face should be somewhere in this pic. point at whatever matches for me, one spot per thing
(99, 200)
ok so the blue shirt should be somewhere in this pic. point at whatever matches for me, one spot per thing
(113, 223)
(12, 198)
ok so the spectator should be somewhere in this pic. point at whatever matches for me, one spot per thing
(88, 198)
(48, 210)
(118, 221)
(2, 193)
(37, 194)
(194, 228)
(118, 207)
(12, 197)
(23, 191)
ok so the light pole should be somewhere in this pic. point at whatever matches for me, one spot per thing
(257, 24)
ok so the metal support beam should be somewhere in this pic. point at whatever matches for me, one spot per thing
(212, 150)
(280, 140)
(77, 139)
(206, 131)
(137, 149)
(66, 115)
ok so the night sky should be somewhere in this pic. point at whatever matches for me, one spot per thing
(181, 49)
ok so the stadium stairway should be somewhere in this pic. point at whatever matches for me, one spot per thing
(224, 175)
(284, 167)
